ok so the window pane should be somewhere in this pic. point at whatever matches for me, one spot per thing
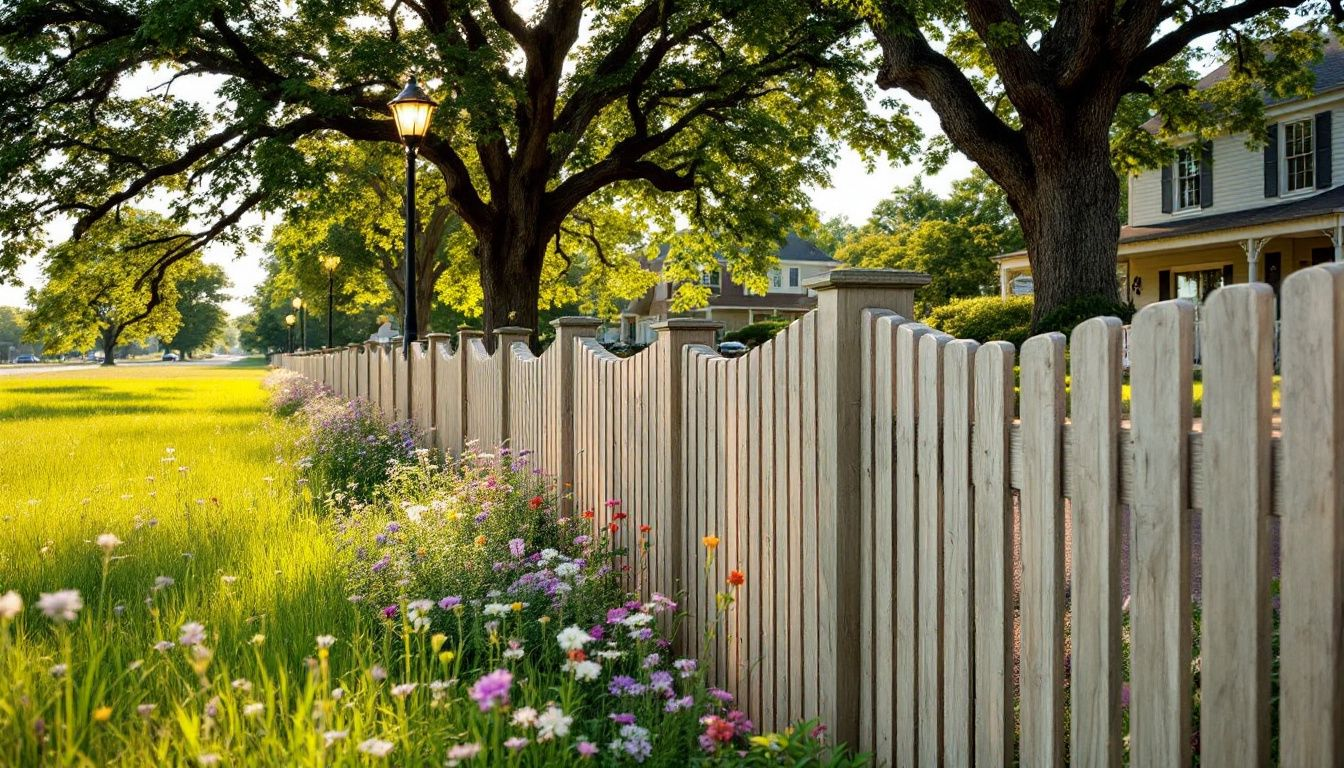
(1187, 179)
(793, 277)
(1298, 155)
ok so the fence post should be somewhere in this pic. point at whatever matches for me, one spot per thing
(504, 339)
(373, 377)
(432, 343)
(842, 296)
(464, 354)
(673, 336)
(567, 330)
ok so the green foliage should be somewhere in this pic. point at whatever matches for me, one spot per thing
(1068, 315)
(96, 289)
(758, 333)
(13, 321)
(200, 289)
(985, 318)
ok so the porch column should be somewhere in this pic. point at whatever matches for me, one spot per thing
(1252, 261)
(1003, 282)
(1339, 239)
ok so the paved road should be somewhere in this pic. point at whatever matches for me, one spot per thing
(23, 370)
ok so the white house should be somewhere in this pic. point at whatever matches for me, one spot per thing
(1224, 212)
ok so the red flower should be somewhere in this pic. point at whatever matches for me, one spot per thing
(737, 578)
(619, 516)
(613, 527)
(645, 528)
(577, 654)
(589, 514)
(718, 729)
(536, 502)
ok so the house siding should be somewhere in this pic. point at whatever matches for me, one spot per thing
(1238, 174)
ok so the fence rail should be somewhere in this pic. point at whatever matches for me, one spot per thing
(941, 539)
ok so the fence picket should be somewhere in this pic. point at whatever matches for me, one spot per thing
(907, 547)
(958, 552)
(929, 672)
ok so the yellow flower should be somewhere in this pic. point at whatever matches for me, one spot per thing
(446, 657)
(436, 642)
(102, 714)
(711, 542)
(517, 607)
(480, 540)
(258, 639)
(771, 741)
(545, 620)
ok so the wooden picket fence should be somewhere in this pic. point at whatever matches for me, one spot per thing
(937, 535)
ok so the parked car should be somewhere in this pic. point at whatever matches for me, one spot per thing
(170, 357)
(732, 348)
(27, 359)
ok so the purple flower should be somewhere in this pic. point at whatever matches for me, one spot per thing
(481, 517)
(492, 689)
(597, 632)
(393, 527)
(450, 602)
(390, 611)
(516, 547)
(685, 666)
(381, 564)
(619, 684)
(721, 695)
(661, 681)
(582, 541)
(586, 748)
(675, 705)
(615, 615)
(381, 538)
(624, 718)
(652, 660)
(642, 634)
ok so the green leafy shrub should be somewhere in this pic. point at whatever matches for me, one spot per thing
(349, 447)
(1068, 315)
(758, 333)
(985, 318)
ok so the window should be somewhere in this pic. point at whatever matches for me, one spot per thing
(710, 277)
(793, 277)
(776, 279)
(1299, 155)
(1196, 286)
(1187, 180)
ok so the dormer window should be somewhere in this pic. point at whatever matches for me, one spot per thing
(1299, 155)
(1187, 180)
(710, 278)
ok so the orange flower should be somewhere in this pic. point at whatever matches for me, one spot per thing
(577, 654)
(589, 514)
(480, 540)
(102, 714)
(645, 528)
(711, 542)
(737, 578)
(535, 502)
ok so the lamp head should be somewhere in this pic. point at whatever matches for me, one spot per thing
(297, 303)
(412, 110)
(290, 320)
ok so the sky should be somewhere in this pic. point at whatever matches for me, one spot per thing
(852, 194)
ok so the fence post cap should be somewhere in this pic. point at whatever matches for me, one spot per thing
(867, 278)
(353, 345)
(576, 321)
(513, 330)
(470, 333)
(435, 337)
(687, 324)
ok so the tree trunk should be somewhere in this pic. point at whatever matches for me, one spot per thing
(510, 267)
(109, 346)
(1070, 219)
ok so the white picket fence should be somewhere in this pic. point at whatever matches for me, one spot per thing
(935, 536)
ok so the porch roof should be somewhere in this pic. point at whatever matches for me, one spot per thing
(1321, 204)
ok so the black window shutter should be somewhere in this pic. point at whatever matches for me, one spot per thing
(1164, 285)
(1272, 161)
(1206, 175)
(1166, 188)
(1227, 274)
(1323, 144)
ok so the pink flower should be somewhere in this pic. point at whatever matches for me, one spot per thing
(492, 689)
(586, 748)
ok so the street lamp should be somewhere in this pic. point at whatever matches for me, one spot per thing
(411, 110)
(289, 326)
(329, 265)
(303, 321)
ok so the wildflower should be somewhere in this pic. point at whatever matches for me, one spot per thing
(254, 709)
(325, 641)
(721, 695)
(616, 615)
(676, 705)
(553, 723)
(525, 717)
(102, 714)
(191, 633)
(207, 758)
(257, 639)
(515, 650)
(621, 684)
(108, 541)
(737, 578)
(390, 611)
(535, 502)
(496, 609)
(492, 689)
(634, 741)
(163, 646)
(331, 737)
(460, 752)
(514, 744)
(582, 540)
(403, 690)
(711, 542)
(61, 606)
(517, 607)
(645, 528)
(450, 602)
(583, 670)
(619, 516)
(717, 731)
(613, 528)
(567, 570)
(685, 666)
(572, 638)
(11, 605)
(337, 694)
(622, 718)
(661, 681)
(242, 684)
(651, 661)
(381, 564)
(480, 540)
(228, 579)
(145, 710)
(163, 582)
(375, 747)
(586, 748)
(378, 673)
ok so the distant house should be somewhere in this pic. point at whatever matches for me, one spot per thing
(1222, 213)
(729, 302)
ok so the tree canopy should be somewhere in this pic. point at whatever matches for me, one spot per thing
(558, 131)
(200, 293)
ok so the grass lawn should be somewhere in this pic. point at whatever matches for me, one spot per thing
(179, 464)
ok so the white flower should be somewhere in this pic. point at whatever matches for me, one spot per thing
(553, 723)
(414, 513)
(63, 605)
(108, 541)
(58, 670)
(325, 641)
(573, 638)
(242, 684)
(163, 646)
(525, 717)
(403, 690)
(331, 737)
(608, 654)
(253, 709)
(11, 605)
(497, 609)
(337, 693)
(207, 758)
(192, 633)
(163, 582)
(513, 653)
(548, 555)
(228, 579)
(460, 752)
(145, 710)
(375, 747)
(583, 670)
(637, 619)
(565, 570)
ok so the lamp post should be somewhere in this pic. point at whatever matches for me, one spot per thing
(329, 265)
(411, 110)
(303, 321)
(289, 326)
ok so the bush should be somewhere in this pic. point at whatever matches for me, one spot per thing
(757, 334)
(1069, 314)
(985, 318)
(348, 447)
(290, 390)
